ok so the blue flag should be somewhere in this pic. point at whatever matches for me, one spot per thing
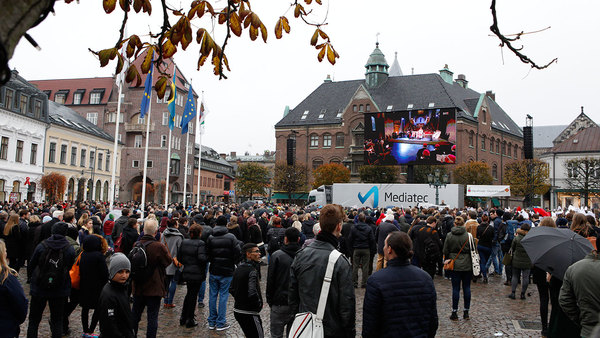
(171, 105)
(189, 112)
(147, 91)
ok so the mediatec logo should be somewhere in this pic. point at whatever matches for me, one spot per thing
(373, 191)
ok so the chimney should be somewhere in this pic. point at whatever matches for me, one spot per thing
(446, 74)
(491, 95)
(232, 154)
(462, 81)
(328, 79)
(223, 155)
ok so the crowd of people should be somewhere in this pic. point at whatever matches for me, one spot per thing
(117, 263)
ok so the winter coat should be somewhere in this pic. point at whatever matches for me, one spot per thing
(520, 259)
(307, 228)
(383, 230)
(223, 252)
(128, 237)
(429, 248)
(362, 237)
(306, 278)
(13, 306)
(120, 224)
(192, 254)
(93, 272)
(344, 245)
(579, 297)
(55, 242)
(116, 319)
(13, 242)
(454, 242)
(275, 237)
(158, 259)
(245, 288)
(485, 234)
(32, 226)
(172, 239)
(400, 299)
(403, 224)
(108, 227)
(236, 231)
(254, 234)
(278, 276)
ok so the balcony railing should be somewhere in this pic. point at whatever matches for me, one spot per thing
(137, 127)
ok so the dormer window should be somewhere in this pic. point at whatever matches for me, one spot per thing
(389, 108)
(304, 115)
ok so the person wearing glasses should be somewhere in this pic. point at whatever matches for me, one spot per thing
(245, 289)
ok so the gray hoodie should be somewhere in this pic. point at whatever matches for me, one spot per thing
(172, 239)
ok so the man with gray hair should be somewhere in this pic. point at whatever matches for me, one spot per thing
(149, 286)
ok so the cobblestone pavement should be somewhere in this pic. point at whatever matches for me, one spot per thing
(492, 314)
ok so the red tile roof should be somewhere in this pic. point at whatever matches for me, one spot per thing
(72, 85)
(587, 140)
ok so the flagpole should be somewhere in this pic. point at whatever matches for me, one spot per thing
(146, 156)
(187, 141)
(168, 172)
(199, 131)
(115, 159)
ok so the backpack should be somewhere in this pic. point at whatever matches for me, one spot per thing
(140, 271)
(52, 268)
(119, 243)
(511, 228)
(275, 241)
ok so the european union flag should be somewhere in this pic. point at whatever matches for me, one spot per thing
(189, 112)
(171, 105)
(147, 90)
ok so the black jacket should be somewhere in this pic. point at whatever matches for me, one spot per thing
(275, 239)
(383, 230)
(255, 234)
(485, 234)
(116, 319)
(306, 278)
(130, 236)
(307, 228)
(93, 272)
(55, 242)
(192, 254)
(13, 306)
(245, 288)
(120, 224)
(278, 277)
(362, 237)
(400, 300)
(223, 252)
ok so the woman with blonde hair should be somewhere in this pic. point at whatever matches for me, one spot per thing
(13, 303)
(12, 237)
(83, 220)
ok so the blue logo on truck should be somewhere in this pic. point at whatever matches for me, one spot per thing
(373, 191)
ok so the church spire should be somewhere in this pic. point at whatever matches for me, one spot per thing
(377, 68)
(395, 68)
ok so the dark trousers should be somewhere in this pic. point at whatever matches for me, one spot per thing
(153, 304)
(543, 291)
(524, 273)
(85, 314)
(36, 309)
(189, 302)
(250, 324)
(458, 278)
(281, 317)
(360, 261)
(430, 269)
(70, 305)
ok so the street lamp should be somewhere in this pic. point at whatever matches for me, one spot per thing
(437, 180)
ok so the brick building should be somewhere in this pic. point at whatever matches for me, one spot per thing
(328, 125)
(96, 100)
(217, 177)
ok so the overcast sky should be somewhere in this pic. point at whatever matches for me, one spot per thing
(265, 78)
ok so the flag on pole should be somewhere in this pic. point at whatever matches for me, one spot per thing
(202, 116)
(147, 90)
(171, 105)
(189, 112)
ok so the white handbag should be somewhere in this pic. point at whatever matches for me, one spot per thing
(307, 324)
(474, 257)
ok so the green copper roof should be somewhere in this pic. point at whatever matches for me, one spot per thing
(376, 58)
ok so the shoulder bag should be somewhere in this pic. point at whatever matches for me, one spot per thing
(307, 324)
(450, 265)
(474, 257)
(507, 260)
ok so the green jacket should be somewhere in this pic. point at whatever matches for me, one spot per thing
(520, 259)
(454, 241)
(579, 297)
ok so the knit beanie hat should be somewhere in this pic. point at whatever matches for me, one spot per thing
(60, 228)
(118, 262)
(221, 220)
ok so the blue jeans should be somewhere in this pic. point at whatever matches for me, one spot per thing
(153, 304)
(496, 258)
(203, 287)
(219, 287)
(459, 277)
(171, 284)
(484, 256)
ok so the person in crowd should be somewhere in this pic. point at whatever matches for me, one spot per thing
(82, 219)
(207, 231)
(129, 236)
(521, 264)
(344, 239)
(93, 277)
(497, 255)
(50, 282)
(120, 223)
(245, 289)
(13, 302)
(506, 235)
(456, 248)
(275, 236)
(384, 229)
(116, 319)
(362, 242)
(471, 224)
(306, 278)
(579, 297)
(429, 245)
(398, 290)
(12, 237)
(24, 255)
(172, 239)
(148, 292)
(193, 257)
(580, 226)
(255, 235)
(307, 226)
(485, 237)
(224, 252)
(278, 280)
(107, 229)
(539, 278)
(234, 228)
(87, 229)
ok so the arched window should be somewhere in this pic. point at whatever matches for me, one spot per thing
(335, 160)
(491, 144)
(483, 116)
(497, 146)
(503, 147)
(471, 138)
(495, 171)
(516, 148)
(483, 142)
(508, 150)
(317, 163)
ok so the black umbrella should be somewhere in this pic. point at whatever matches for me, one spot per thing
(259, 212)
(554, 250)
(247, 204)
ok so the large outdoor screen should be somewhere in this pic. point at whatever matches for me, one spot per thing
(411, 137)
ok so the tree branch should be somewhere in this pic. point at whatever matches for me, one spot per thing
(505, 41)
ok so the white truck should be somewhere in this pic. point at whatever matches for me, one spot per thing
(386, 195)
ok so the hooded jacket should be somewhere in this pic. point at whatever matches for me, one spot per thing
(192, 254)
(245, 288)
(223, 251)
(453, 244)
(172, 239)
(278, 276)
(520, 259)
(120, 224)
(13, 306)
(116, 319)
(362, 237)
(55, 242)
(383, 230)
